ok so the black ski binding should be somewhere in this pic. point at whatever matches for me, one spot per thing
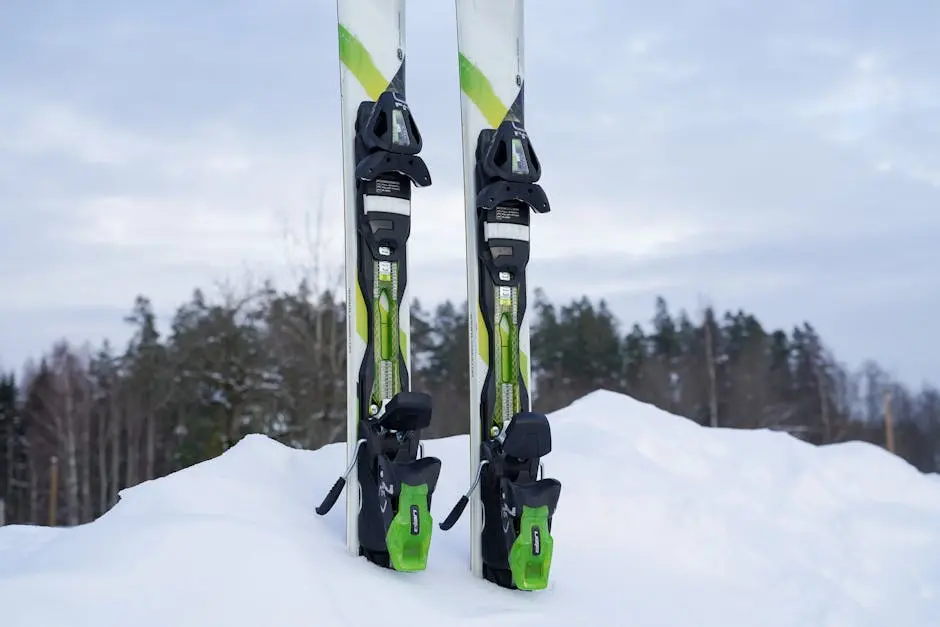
(396, 484)
(508, 169)
(517, 505)
(388, 142)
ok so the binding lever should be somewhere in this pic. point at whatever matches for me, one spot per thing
(337, 488)
(461, 505)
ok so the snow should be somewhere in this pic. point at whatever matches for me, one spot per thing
(661, 523)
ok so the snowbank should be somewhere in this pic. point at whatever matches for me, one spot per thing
(660, 522)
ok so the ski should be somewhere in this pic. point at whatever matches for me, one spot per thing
(511, 505)
(389, 484)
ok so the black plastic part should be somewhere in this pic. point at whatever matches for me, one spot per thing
(504, 259)
(528, 436)
(379, 229)
(536, 493)
(508, 169)
(376, 164)
(455, 513)
(510, 481)
(407, 411)
(332, 496)
(414, 472)
(377, 152)
(504, 193)
(502, 148)
(376, 129)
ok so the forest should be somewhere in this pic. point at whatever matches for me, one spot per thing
(80, 423)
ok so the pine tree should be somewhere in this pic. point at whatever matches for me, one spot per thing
(444, 370)
(14, 479)
(635, 354)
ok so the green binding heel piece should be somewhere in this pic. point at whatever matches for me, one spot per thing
(530, 558)
(409, 536)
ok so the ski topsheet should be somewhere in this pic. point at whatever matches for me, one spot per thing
(388, 484)
(511, 508)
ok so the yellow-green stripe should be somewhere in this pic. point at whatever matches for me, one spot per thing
(361, 323)
(524, 366)
(483, 340)
(480, 91)
(355, 57)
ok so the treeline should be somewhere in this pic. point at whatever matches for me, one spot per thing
(83, 423)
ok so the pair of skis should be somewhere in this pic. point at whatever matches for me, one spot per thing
(389, 482)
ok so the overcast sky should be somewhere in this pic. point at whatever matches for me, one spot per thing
(782, 157)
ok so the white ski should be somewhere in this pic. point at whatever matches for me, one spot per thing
(510, 505)
(388, 484)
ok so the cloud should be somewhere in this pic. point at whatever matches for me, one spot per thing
(124, 201)
(56, 129)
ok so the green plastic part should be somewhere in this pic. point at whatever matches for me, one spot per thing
(530, 558)
(409, 536)
(385, 326)
(505, 350)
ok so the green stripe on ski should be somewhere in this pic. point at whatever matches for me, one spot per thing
(524, 365)
(483, 340)
(362, 324)
(355, 57)
(480, 91)
(403, 344)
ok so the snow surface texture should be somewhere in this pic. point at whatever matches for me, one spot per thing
(660, 523)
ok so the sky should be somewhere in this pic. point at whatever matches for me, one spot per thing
(780, 157)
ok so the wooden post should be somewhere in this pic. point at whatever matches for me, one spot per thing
(889, 423)
(53, 489)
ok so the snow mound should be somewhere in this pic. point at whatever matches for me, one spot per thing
(661, 523)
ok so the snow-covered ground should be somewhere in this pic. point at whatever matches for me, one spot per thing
(660, 523)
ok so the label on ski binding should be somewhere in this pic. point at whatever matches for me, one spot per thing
(415, 520)
(388, 186)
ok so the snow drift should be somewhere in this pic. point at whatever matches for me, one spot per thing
(660, 522)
